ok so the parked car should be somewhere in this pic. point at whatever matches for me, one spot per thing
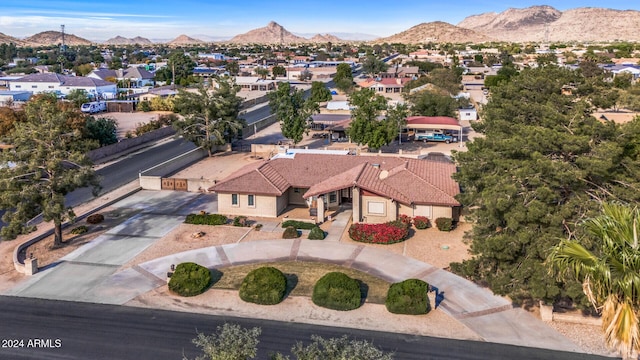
(431, 136)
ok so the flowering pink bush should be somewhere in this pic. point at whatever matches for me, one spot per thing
(388, 233)
(421, 222)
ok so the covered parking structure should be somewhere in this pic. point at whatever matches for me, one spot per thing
(434, 123)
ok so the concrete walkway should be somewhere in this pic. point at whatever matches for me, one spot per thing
(91, 272)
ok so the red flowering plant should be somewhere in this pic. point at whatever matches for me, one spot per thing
(387, 233)
(421, 222)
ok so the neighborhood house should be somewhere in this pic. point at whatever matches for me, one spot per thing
(378, 189)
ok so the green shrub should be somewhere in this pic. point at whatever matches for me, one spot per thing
(190, 279)
(421, 222)
(408, 297)
(337, 291)
(298, 224)
(240, 221)
(265, 286)
(95, 219)
(258, 227)
(290, 233)
(144, 106)
(79, 230)
(444, 224)
(316, 234)
(206, 219)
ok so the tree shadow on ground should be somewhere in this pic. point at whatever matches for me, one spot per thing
(364, 291)
(292, 282)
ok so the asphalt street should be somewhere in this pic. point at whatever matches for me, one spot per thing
(45, 329)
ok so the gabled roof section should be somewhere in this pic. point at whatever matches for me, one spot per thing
(258, 178)
(44, 78)
(340, 181)
(408, 181)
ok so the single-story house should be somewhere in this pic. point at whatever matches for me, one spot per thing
(43, 83)
(135, 77)
(378, 189)
(255, 83)
(385, 85)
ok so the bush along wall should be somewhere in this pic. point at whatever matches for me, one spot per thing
(421, 222)
(408, 297)
(337, 291)
(206, 219)
(190, 279)
(444, 224)
(387, 233)
(265, 286)
(298, 224)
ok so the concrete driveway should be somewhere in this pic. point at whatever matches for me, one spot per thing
(81, 275)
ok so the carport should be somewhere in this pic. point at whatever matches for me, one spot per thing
(434, 123)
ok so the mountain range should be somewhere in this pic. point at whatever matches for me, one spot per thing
(533, 24)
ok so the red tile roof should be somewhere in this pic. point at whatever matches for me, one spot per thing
(409, 181)
(432, 120)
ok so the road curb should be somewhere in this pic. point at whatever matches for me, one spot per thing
(20, 267)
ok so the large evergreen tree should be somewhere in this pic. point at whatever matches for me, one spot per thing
(210, 116)
(292, 110)
(47, 161)
(543, 164)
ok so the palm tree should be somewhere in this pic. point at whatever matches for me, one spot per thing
(610, 274)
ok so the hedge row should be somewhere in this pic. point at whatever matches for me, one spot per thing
(335, 290)
(206, 219)
(298, 224)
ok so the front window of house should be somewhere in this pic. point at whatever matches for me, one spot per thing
(234, 199)
(251, 200)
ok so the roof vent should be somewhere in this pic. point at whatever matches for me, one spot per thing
(377, 166)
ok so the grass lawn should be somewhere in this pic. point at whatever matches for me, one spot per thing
(301, 278)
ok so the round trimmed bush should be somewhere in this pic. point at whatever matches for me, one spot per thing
(190, 279)
(290, 233)
(444, 224)
(316, 234)
(337, 291)
(79, 230)
(265, 286)
(408, 297)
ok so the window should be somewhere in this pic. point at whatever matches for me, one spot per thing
(18, 86)
(234, 199)
(34, 86)
(375, 207)
(333, 197)
(50, 86)
(251, 200)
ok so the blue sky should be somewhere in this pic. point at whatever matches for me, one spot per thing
(164, 19)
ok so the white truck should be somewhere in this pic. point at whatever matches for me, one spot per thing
(94, 107)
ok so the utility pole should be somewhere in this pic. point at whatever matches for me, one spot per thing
(173, 75)
(63, 50)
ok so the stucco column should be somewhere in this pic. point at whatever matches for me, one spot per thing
(355, 200)
(320, 218)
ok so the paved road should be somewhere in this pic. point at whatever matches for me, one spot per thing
(91, 331)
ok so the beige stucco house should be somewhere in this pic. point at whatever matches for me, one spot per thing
(376, 188)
